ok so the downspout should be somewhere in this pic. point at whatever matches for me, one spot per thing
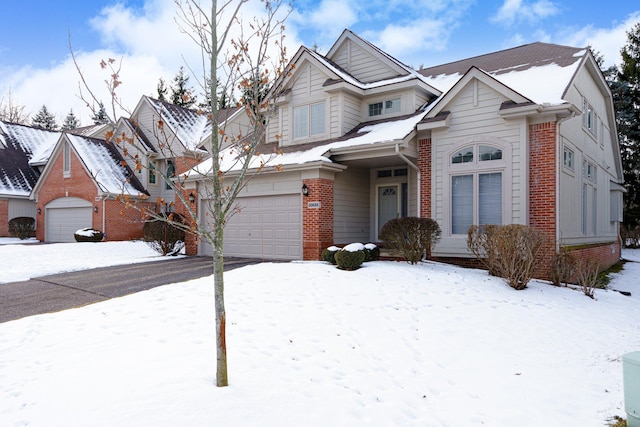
(414, 167)
(104, 221)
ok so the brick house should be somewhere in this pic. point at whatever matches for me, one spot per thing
(80, 187)
(526, 136)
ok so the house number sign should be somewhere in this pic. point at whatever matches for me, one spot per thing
(314, 205)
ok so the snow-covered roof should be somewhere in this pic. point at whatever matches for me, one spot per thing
(22, 147)
(106, 165)
(366, 134)
(189, 126)
(539, 71)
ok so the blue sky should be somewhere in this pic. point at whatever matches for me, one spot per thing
(34, 37)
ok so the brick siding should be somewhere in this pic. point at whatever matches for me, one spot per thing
(424, 165)
(4, 217)
(317, 228)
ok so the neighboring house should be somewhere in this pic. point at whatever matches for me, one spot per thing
(525, 135)
(23, 152)
(81, 186)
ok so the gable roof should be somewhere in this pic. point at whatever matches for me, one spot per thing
(189, 126)
(105, 165)
(542, 72)
(21, 149)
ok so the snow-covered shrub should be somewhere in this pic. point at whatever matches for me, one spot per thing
(507, 251)
(163, 236)
(88, 234)
(22, 227)
(563, 266)
(371, 252)
(410, 237)
(350, 257)
(587, 275)
(329, 254)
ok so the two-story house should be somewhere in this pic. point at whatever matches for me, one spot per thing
(525, 135)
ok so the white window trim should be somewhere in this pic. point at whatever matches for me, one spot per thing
(309, 125)
(384, 102)
(477, 167)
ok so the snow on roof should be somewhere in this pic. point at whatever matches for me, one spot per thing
(189, 126)
(105, 165)
(20, 147)
(386, 131)
(539, 71)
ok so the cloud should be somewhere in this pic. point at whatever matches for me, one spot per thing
(518, 11)
(607, 41)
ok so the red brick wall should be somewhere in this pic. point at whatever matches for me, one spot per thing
(601, 253)
(424, 164)
(120, 224)
(4, 218)
(542, 187)
(317, 224)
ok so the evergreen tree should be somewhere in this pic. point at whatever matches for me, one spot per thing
(626, 96)
(71, 121)
(44, 119)
(224, 99)
(162, 89)
(100, 117)
(181, 93)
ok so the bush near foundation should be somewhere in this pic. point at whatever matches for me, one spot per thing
(507, 251)
(164, 237)
(350, 257)
(410, 237)
(22, 227)
(88, 235)
(371, 252)
(329, 254)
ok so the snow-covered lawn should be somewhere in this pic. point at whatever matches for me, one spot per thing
(309, 345)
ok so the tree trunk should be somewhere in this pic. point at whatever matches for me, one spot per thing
(222, 379)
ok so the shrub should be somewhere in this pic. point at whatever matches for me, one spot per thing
(587, 275)
(563, 266)
(410, 237)
(88, 235)
(371, 252)
(350, 257)
(164, 235)
(507, 251)
(329, 254)
(22, 227)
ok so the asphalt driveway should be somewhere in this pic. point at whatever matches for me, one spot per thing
(62, 291)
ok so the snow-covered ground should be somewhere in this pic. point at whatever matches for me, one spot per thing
(309, 345)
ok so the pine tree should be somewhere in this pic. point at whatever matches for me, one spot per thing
(44, 120)
(162, 89)
(181, 93)
(100, 117)
(626, 96)
(71, 121)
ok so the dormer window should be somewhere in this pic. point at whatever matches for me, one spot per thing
(384, 107)
(66, 160)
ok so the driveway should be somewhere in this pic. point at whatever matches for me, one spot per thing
(62, 291)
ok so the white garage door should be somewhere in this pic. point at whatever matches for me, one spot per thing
(64, 216)
(267, 227)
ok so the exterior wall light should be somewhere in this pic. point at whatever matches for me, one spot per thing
(39, 211)
(192, 198)
(305, 190)
(95, 209)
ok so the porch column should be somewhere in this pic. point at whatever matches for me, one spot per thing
(317, 217)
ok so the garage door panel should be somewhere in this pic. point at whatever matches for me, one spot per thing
(62, 223)
(265, 227)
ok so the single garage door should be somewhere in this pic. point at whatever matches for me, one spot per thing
(267, 227)
(64, 216)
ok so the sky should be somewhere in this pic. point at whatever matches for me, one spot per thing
(146, 42)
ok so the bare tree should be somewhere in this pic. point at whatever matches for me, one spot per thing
(238, 56)
(12, 112)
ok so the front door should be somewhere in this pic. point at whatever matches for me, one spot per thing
(388, 206)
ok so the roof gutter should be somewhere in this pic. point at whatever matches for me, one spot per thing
(414, 167)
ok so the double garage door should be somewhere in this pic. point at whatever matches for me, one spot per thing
(64, 216)
(267, 227)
